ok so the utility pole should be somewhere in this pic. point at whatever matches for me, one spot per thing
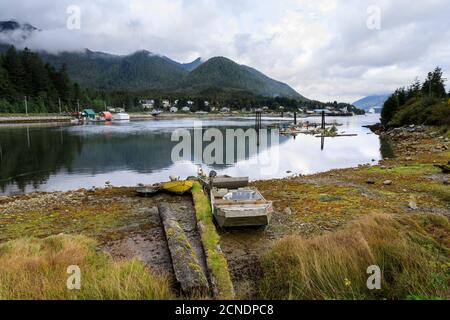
(26, 106)
(59, 103)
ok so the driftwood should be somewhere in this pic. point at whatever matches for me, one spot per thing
(444, 168)
(185, 261)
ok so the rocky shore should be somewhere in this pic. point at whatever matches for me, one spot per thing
(127, 226)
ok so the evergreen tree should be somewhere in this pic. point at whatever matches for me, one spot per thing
(13, 66)
(434, 85)
(392, 105)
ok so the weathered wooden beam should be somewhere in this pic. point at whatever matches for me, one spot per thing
(186, 264)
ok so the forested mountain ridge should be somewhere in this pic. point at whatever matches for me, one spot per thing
(27, 83)
(224, 73)
(138, 71)
(144, 70)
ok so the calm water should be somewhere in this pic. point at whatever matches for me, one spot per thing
(67, 157)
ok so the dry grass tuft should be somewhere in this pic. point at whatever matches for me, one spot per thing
(37, 269)
(412, 252)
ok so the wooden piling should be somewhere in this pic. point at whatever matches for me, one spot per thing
(323, 119)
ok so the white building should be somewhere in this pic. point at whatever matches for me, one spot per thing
(186, 109)
(147, 104)
(225, 109)
(165, 103)
(174, 109)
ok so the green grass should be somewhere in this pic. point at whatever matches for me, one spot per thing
(216, 261)
(412, 252)
(439, 191)
(406, 169)
(36, 269)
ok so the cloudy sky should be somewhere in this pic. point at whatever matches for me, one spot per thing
(325, 49)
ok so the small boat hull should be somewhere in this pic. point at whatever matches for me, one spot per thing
(121, 117)
(244, 207)
(178, 187)
(227, 182)
(243, 215)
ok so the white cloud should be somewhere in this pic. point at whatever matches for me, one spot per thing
(322, 48)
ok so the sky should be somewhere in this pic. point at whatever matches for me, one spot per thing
(325, 49)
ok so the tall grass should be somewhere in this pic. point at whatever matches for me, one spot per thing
(412, 252)
(37, 269)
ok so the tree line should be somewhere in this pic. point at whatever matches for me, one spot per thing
(24, 76)
(420, 103)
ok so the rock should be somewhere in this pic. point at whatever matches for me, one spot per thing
(408, 159)
(287, 211)
(412, 204)
(387, 182)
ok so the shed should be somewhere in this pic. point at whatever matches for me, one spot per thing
(89, 113)
(106, 115)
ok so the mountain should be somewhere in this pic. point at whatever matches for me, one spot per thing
(138, 71)
(13, 32)
(375, 101)
(220, 72)
(144, 70)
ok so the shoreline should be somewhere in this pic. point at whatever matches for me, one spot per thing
(137, 116)
(408, 185)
